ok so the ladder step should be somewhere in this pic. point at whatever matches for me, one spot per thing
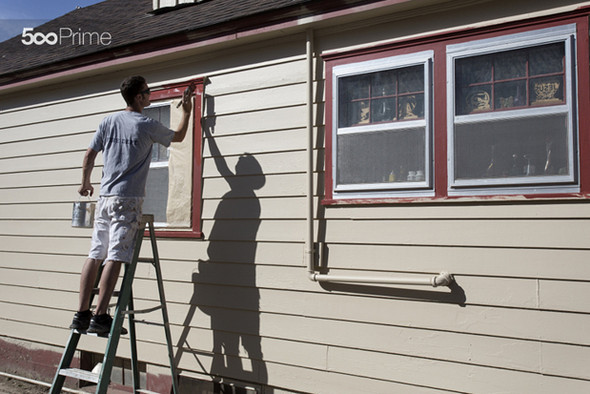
(80, 374)
(146, 391)
(146, 260)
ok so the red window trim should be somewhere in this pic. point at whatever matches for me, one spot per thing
(438, 43)
(175, 91)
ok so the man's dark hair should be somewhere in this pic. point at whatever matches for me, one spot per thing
(131, 87)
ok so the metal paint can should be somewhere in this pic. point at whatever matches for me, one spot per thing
(83, 214)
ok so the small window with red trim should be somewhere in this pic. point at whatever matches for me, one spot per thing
(173, 192)
(382, 136)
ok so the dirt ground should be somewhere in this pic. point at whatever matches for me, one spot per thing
(16, 386)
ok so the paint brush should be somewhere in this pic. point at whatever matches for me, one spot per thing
(187, 93)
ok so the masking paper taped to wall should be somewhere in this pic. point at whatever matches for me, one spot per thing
(178, 211)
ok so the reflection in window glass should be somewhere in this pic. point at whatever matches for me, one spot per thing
(380, 97)
(381, 157)
(511, 79)
(522, 147)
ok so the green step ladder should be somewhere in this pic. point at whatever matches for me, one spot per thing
(124, 307)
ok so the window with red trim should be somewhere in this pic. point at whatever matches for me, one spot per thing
(173, 189)
(485, 114)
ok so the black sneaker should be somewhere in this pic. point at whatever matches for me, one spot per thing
(81, 320)
(101, 325)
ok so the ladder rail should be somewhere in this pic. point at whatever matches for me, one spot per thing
(160, 282)
(122, 304)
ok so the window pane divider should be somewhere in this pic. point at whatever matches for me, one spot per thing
(392, 126)
(512, 114)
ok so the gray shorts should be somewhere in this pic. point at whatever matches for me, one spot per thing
(115, 223)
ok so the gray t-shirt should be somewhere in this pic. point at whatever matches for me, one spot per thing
(126, 139)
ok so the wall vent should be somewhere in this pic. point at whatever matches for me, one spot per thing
(163, 5)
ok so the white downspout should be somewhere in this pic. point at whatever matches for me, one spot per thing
(309, 236)
(444, 279)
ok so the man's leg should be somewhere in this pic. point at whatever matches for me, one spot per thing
(87, 282)
(108, 281)
(101, 322)
(81, 320)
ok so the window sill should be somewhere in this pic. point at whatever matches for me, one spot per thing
(177, 234)
(475, 199)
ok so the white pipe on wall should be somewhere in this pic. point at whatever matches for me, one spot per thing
(309, 252)
(444, 279)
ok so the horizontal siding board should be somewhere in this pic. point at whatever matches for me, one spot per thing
(566, 361)
(317, 381)
(43, 280)
(496, 261)
(47, 244)
(55, 211)
(485, 232)
(51, 129)
(45, 178)
(45, 146)
(45, 194)
(284, 73)
(233, 230)
(254, 122)
(242, 230)
(286, 140)
(62, 109)
(42, 262)
(509, 233)
(39, 298)
(567, 296)
(46, 162)
(453, 210)
(278, 253)
(261, 99)
(270, 163)
(446, 375)
(278, 185)
(270, 208)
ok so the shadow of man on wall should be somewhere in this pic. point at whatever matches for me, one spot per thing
(225, 284)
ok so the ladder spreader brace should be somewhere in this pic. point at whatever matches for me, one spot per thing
(124, 307)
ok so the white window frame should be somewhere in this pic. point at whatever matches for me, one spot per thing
(397, 189)
(161, 164)
(568, 183)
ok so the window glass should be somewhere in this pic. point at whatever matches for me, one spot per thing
(512, 79)
(384, 96)
(156, 200)
(512, 148)
(381, 157)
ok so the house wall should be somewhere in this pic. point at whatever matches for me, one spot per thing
(240, 303)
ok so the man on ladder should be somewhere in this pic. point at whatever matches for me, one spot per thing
(125, 139)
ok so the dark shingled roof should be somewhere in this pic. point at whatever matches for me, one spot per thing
(135, 28)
